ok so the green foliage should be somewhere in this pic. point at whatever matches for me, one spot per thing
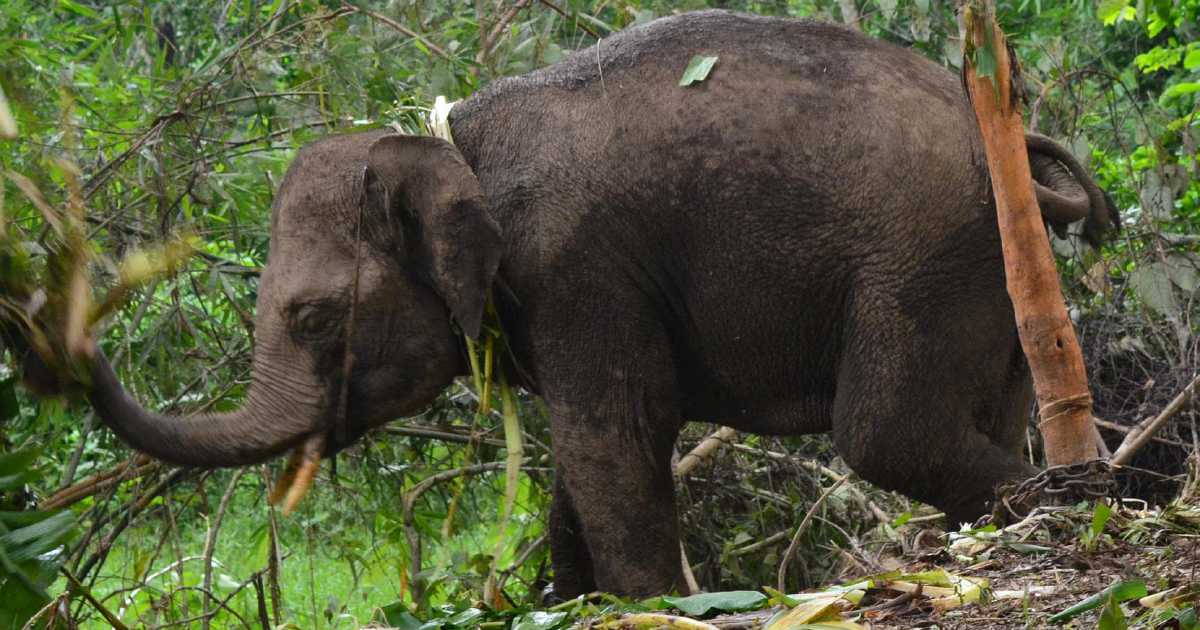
(1112, 11)
(1100, 515)
(1109, 598)
(30, 541)
(725, 601)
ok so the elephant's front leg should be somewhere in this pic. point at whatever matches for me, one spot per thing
(613, 427)
(568, 550)
(616, 474)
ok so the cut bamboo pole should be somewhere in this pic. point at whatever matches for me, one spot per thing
(1059, 377)
(1143, 431)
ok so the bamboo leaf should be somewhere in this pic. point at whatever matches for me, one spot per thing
(726, 601)
(1121, 592)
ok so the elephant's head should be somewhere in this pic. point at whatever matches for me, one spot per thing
(380, 243)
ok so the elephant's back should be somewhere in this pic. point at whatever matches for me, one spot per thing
(814, 173)
(836, 125)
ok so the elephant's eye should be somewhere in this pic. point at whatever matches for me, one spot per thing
(315, 321)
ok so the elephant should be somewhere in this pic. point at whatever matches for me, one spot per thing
(803, 242)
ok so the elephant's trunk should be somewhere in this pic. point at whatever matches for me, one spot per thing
(265, 426)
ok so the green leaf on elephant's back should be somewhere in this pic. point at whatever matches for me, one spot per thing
(697, 70)
(727, 601)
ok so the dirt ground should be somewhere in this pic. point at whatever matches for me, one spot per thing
(1041, 567)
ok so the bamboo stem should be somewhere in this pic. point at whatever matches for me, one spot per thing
(1144, 431)
(704, 449)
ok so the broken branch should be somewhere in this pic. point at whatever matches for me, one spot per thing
(1142, 432)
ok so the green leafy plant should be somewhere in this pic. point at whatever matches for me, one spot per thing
(30, 541)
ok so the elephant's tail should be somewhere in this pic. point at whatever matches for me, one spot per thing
(1066, 192)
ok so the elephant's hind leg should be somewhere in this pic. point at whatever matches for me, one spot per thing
(933, 416)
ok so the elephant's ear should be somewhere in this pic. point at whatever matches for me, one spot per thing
(449, 234)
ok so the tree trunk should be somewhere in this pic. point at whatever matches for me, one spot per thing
(1047, 337)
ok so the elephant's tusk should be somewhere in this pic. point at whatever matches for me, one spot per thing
(299, 473)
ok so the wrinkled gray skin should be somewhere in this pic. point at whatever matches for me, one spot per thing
(804, 242)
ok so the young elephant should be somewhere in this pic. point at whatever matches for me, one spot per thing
(803, 242)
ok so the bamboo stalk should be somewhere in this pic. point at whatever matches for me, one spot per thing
(705, 448)
(1144, 431)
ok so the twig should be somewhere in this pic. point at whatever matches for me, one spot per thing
(445, 436)
(520, 560)
(273, 559)
(740, 621)
(493, 36)
(578, 24)
(50, 623)
(134, 508)
(408, 503)
(689, 578)
(656, 620)
(78, 587)
(1120, 428)
(210, 545)
(221, 603)
(261, 598)
(791, 549)
(817, 467)
(766, 542)
(89, 423)
(1141, 433)
(255, 97)
(100, 482)
(434, 48)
